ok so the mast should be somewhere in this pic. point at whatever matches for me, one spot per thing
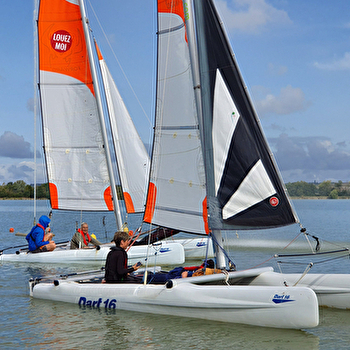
(192, 44)
(101, 115)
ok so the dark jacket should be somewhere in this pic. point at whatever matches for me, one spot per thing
(116, 269)
(35, 237)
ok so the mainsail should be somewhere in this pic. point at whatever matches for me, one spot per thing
(177, 181)
(73, 143)
(211, 165)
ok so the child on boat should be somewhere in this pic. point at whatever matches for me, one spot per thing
(116, 269)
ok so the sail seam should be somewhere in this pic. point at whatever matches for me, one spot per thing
(178, 211)
(185, 127)
(169, 30)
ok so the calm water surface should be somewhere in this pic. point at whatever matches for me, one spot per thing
(37, 324)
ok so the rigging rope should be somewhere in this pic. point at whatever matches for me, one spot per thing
(122, 70)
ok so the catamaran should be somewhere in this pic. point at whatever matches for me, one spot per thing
(78, 157)
(211, 170)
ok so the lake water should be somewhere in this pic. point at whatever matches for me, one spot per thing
(36, 324)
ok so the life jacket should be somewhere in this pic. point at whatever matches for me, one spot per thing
(87, 235)
(207, 271)
(30, 235)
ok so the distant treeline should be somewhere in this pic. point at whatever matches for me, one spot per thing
(333, 190)
(329, 189)
(20, 189)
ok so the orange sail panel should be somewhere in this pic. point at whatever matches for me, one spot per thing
(128, 203)
(174, 7)
(62, 47)
(151, 201)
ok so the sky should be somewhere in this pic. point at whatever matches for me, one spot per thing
(294, 56)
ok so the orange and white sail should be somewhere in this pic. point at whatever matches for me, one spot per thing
(73, 143)
(131, 155)
(176, 195)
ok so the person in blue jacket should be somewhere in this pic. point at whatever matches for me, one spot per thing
(38, 240)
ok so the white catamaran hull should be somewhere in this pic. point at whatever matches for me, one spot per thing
(157, 254)
(204, 297)
(195, 248)
(332, 290)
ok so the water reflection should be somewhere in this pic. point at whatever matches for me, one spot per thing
(60, 325)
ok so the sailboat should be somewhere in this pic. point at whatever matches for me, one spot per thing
(202, 180)
(76, 147)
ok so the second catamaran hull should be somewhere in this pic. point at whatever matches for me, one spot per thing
(276, 306)
(195, 248)
(162, 254)
(332, 290)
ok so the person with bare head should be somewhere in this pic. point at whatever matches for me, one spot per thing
(82, 239)
(116, 269)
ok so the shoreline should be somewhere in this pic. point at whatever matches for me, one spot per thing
(322, 197)
(302, 197)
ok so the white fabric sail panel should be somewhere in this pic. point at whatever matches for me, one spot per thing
(132, 158)
(180, 186)
(76, 160)
(177, 164)
(255, 188)
(225, 118)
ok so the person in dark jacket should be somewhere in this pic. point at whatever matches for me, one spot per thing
(116, 269)
(38, 240)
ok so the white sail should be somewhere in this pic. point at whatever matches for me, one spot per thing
(177, 181)
(131, 155)
(73, 143)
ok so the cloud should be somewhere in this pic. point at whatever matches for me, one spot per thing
(277, 70)
(22, 171)
(251, 16)
(311, 158)
(14, 146)
(290, 100)
(337, 64)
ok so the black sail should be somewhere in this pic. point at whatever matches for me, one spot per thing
(236, 194)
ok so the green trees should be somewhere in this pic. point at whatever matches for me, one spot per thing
(20, 189)
(301, 189)
(324, 189)
(332, 190)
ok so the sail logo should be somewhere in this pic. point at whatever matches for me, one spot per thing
(61, 41)
(279, 299)
(274, 201)
(164, 250)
